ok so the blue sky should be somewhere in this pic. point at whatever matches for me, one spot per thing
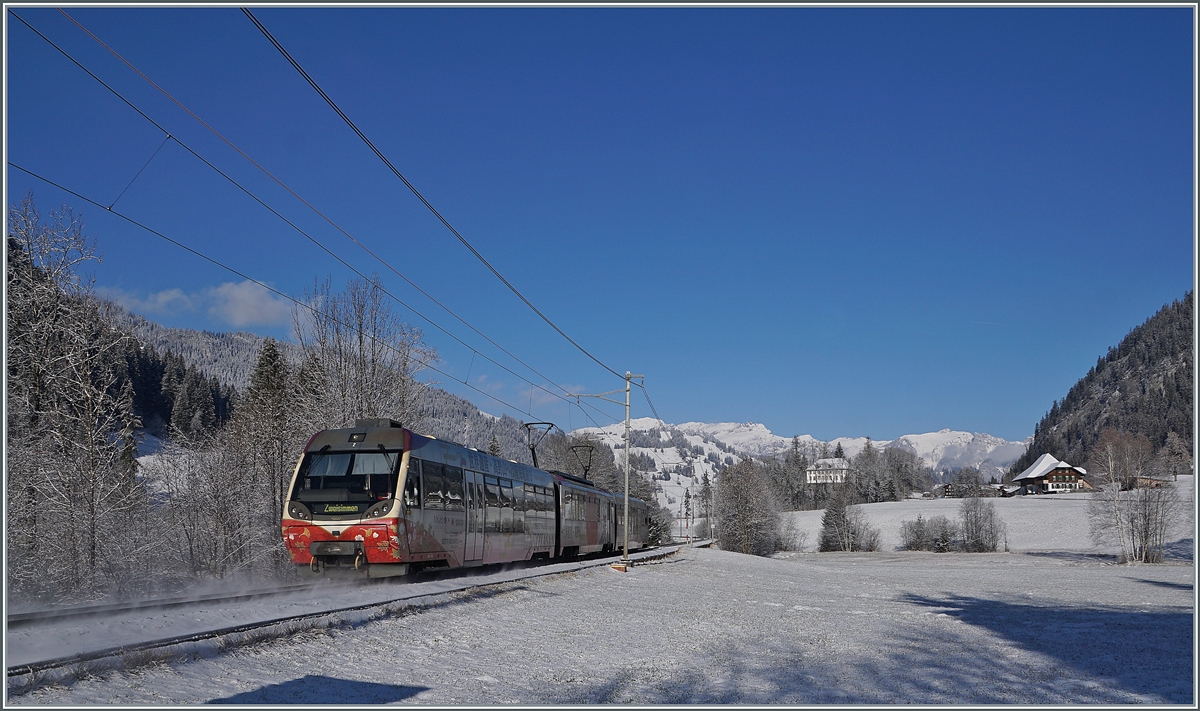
(840, 222)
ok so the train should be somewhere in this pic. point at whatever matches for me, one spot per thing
(382, 500)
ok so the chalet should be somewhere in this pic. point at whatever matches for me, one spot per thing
(1145, 481)
(1050, 476)
(828, 471)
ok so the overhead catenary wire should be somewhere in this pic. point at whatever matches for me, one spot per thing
(139, 173)
(251, 279)
(646, 394)
(288, 222)
(321, 214)
(414, 190)
(169, 136)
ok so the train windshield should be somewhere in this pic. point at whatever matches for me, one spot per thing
(346, 482)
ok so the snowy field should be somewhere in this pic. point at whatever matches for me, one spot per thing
(1049, 523)
(1052, 622)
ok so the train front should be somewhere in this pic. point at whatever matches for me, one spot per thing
(341, 510)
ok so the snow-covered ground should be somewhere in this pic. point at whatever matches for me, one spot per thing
(1053, 522)
(713, 627)
(1052, 625)
(104, 631)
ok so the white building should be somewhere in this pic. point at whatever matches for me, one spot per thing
(1050, 476)
(828, 471)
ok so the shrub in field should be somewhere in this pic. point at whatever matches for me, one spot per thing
(1134, 504)
(938, 534)
(845, 528)
(789, 537)
(981, 528)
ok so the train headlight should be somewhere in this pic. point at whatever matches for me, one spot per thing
(299, 510)
(379, 509)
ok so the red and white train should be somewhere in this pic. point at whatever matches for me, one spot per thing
(382, 499)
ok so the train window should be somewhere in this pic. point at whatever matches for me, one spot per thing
(434, 483)
(378, 471)
(506, 506)
(454, 489)
(520, 507)
(531, 502)
(412, 485)
(321, 466)
(346, 480)
(492, 514)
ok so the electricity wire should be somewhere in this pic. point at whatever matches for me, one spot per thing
(646, 394)
(251, 279)
(169, 136)
(323, 216)
(414, 190)
(139, 173)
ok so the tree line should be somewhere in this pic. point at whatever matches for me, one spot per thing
(87, 520)
(748, 498)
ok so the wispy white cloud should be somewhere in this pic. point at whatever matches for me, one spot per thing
(161, 303)
(487, 385)
(228, 304)
(247, 304)
(540, 395)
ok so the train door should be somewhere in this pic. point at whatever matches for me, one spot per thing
(473, 485)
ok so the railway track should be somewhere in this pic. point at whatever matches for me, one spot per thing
(406, 594)
(22, 619)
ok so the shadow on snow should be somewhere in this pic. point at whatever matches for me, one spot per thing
(311, 689)
(1041, 653)
(1164, 584)
(1141, 652)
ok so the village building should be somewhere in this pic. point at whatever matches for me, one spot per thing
(1145, 481)
(962, 490)
(828, 471)
(1050, 476)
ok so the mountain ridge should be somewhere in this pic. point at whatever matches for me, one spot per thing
(1141, 386)
(945, 449)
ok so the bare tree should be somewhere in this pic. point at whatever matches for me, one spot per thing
(981, 528)
(1130, 505)
(359, 359)
(223, 522)
(74, 502)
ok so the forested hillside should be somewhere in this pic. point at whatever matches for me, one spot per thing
(1142, 386)
(226, 357)
(452, 418)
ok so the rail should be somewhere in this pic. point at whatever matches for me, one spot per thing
(21, 619)
(558, 568)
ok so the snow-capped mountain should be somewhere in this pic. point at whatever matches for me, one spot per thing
(746, 437)
(945, 449)
(682, 454)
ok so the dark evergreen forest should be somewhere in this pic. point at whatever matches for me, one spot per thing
(1142, 386)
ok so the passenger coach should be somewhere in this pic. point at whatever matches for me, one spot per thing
(382, 499)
